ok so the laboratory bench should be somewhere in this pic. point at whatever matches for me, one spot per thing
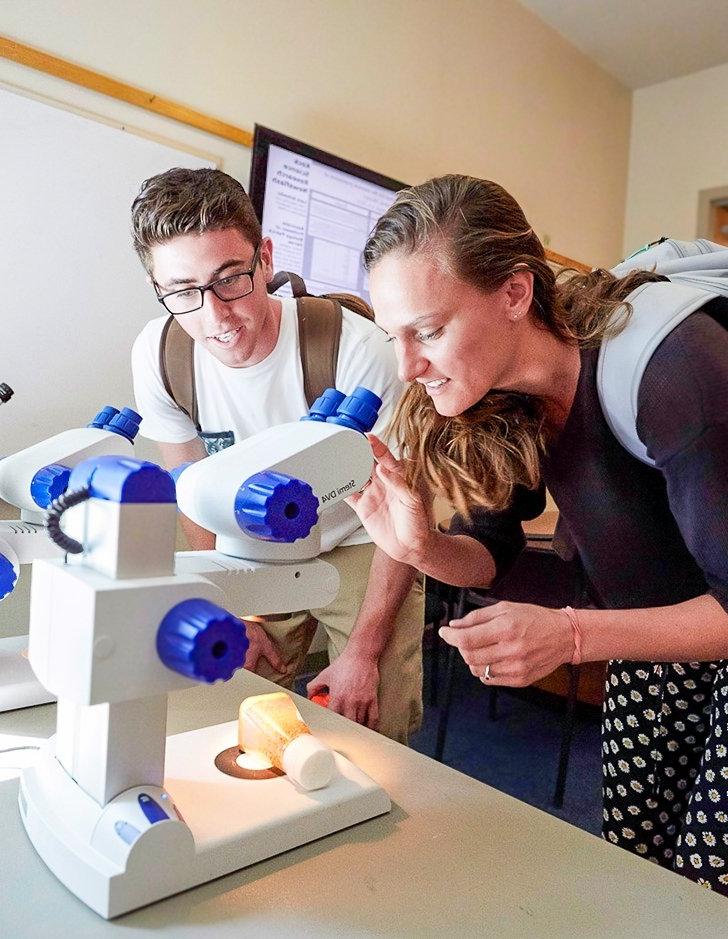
(454, 857)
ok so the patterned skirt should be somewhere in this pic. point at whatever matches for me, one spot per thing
(665, 764)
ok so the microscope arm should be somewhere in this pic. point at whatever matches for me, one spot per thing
(33, 477)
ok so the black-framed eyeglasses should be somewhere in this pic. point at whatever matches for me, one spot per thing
(233, 287)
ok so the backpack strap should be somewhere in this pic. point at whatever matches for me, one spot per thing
(177, 368)
(298, 286)
(670, 256)
(657, 308)
(353, 303)
(319, 332)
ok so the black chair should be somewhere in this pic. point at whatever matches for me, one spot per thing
(439, 605)
(538, 576)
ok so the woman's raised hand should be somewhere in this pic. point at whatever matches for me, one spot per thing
(394, 515)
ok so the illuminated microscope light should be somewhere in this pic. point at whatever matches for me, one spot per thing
(271, 726)
(253, 761)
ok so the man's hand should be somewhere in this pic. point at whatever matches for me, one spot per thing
(393, 514)
(260, 645)
(353, 682)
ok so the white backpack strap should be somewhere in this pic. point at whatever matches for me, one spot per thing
(713, 280)
(668, 256)
(657, 308)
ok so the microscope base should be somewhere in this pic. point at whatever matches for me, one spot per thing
(222, 823)
(19, 688)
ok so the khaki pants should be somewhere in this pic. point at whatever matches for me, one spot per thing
(400, 666)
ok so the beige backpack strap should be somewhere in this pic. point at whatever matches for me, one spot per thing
(353, 303)
(177, 368)
(319, 331)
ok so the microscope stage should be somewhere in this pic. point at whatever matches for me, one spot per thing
(239, 821)
(226, 823)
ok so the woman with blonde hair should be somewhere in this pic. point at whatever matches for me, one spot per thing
(500, 362)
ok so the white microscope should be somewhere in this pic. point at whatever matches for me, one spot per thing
(30, 480)
(121, 814)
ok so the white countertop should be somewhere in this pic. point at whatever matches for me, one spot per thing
(454, 857)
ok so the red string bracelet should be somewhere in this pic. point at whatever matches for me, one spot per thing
(574, 620)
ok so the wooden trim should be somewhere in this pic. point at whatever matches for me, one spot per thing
(51, 65)
(60, 68)
(563, 261)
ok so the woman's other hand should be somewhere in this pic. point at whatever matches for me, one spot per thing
(520, 642)
(394, 515)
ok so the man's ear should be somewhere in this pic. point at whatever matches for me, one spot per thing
(518, 294)
(266, 259)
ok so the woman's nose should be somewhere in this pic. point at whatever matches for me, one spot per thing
(410, 363)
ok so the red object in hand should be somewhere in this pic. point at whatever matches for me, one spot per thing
(321, 698)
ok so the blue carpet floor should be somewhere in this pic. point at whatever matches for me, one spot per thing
(518, 752)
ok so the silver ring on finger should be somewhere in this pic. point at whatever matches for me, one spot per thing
(486, 674)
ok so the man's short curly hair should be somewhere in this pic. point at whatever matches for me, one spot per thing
(183, 201)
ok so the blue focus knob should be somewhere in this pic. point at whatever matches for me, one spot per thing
(48, 483)
(8, 577)
(275, 507)
(359, 411)
(123, 479)
(325, 406)
(202, 641)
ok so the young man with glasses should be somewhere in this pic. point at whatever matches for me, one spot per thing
(198, 237)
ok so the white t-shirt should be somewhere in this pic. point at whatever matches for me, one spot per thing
(248, 400)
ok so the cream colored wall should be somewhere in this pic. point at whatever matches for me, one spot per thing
(412, 88)
(679, 146)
